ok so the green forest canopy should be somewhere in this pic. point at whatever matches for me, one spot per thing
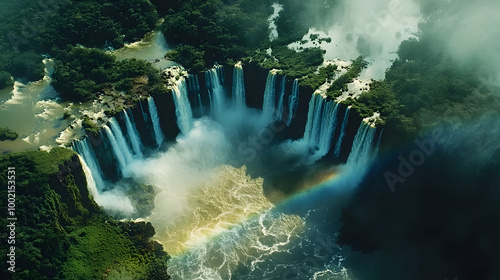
(32, 28)
(82, 73)
(422, 86)
(61, 232)
(7, 134)
(215, 31)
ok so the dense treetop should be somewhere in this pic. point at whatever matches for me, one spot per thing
(32, 28)
(424, 86)
(82, 73)
(216, 31)
(7, 134)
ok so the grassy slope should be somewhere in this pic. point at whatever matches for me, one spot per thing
(62, 234)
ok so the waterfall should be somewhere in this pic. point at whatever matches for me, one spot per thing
(318, 114)
(310, 117)
(338, 145)
(156, 121)
(91, 184)
(321, 124)
(110, 201)
(279, 113)
(375, 151)
(197, 82)
(361, 151)
(328, 126)
(190, 84)
(293, 101)
(120, 139)
(238, 87)
(183, 107)
(133, 134)
(144, 115)
(215, 90)
(313, 124)
(201, 105)
(269, 97)
(83, 148)
(120, 149)
(210, 103)
(220, 73)
(193, 83)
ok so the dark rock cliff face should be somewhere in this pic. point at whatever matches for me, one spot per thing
(255, 84)
(199, 97)
(70, 183)
(166, 113)
(104, 155)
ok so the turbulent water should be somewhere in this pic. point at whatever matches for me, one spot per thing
(212, 214)
(272, 24)
(33, 111)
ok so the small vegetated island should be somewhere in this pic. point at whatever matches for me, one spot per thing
(442, 214)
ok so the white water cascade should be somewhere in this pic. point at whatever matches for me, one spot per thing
(361, 151)
(144, 115)
(238, 87)
(83, 148)
(319, 129)
(194, 84)
(214, 77)
(120, 149)
(91, 184)
(183, 107)
(328, 126)
(293, 101)
(313, 124)
(338, 145)
(279, 112)
(321, 124)
(111, 201)
(201, 104)
(120, 138)
(133, 134)
(268, 106)
(156, 121)
(210, 103)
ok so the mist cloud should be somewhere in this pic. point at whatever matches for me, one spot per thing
(470, 31)
(373, 29)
